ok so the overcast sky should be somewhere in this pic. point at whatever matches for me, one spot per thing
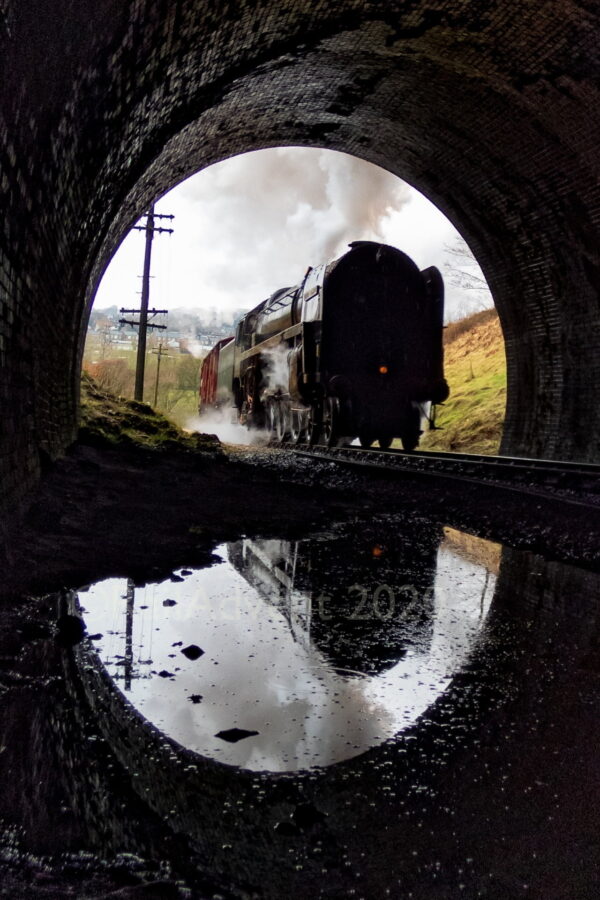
(255, 222)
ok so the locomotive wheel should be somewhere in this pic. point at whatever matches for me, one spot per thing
(272, 417)
(331, 422)
(386, 442)
(365, 440)
(282, 423)
(314, 425)
(297, 426)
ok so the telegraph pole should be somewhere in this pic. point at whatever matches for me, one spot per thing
(141, 347)
(130, 597)
(150, 228)
(159, 355)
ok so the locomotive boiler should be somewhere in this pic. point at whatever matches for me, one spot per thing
(354, 350)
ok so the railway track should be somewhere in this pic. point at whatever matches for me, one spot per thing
(571, 482)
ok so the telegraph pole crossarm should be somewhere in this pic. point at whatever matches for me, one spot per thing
(151, 313)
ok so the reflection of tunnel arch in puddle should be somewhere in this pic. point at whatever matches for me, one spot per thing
(441, 774)
(306, 712)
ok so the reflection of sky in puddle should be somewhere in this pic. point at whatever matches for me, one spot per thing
(264, 668)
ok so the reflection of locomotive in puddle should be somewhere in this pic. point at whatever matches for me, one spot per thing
(363, 601)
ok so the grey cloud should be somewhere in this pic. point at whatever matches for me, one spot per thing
(267, 215)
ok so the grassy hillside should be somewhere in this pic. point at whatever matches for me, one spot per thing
(471, 419)
(108, 419)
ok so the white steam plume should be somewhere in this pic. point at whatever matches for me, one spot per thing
(266, 216)
(276, 372)
(223, 423)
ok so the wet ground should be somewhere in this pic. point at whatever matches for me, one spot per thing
(317, 696)
(325, 646)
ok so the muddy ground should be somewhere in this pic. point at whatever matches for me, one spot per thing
(106, 510)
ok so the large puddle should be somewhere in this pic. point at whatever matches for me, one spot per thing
(289, 655)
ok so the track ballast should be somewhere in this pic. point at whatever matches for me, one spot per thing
(572, 482)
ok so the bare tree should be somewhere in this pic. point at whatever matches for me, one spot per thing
(466, 275)
(113, 375)
(107, 339)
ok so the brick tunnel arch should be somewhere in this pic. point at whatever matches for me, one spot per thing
(490, 110)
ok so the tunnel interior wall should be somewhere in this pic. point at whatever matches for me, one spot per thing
(491, 111)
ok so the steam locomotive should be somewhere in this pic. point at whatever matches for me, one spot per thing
(354, 350)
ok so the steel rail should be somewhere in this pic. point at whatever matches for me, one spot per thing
(528, 462)
(573, 483)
